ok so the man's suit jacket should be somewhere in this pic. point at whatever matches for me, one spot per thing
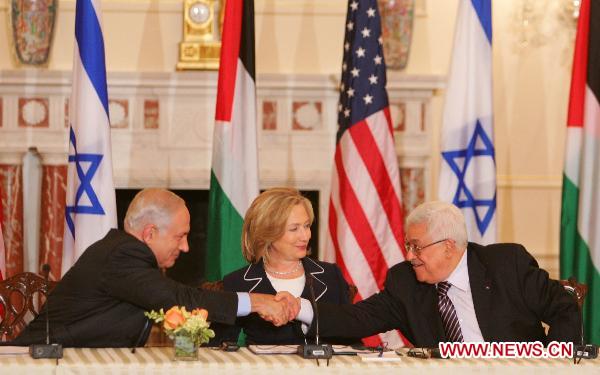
(511, 296)
(328, 285)
(101, 300)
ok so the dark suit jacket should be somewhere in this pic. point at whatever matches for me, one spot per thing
(101, 300)
(328, 285)
(511, 296)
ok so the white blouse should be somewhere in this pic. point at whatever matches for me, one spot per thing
(294, 286)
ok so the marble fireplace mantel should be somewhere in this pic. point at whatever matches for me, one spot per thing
(162, 127)
(162, 123)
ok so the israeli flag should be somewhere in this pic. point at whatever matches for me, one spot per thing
(90, 203)
(468, 167)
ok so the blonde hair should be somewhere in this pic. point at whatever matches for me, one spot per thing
(265, 220)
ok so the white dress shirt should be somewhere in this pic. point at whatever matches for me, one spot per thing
(462, 299)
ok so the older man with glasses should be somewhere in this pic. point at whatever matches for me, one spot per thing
(449, 289)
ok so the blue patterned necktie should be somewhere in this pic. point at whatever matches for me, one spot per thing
(448, 313)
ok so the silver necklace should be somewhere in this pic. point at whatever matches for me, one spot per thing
(296, 268)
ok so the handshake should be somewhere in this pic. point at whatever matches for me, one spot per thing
(278, 309)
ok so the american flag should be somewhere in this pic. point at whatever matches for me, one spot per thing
(365, 214)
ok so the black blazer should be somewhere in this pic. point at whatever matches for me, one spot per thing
(328, 285)
(512, 296)
(101, 300)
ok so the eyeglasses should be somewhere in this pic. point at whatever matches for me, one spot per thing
(415, 249)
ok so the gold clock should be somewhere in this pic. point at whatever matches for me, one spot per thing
(201, 45)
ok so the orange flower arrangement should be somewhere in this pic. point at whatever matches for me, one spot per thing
(177, 321)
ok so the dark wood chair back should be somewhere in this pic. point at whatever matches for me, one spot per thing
(579, 291)
(21, 296)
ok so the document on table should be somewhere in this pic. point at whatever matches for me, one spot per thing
(14, 350)
(273, 349)
(352, 350)
(390, 356)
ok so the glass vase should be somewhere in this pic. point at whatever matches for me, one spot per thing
(396, 29)
(185, 349)
(32, 29)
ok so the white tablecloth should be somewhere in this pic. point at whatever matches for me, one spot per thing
(159, 360)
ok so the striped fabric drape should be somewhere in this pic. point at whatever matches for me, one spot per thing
(365, 213)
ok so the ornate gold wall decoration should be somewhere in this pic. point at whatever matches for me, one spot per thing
(202, 25)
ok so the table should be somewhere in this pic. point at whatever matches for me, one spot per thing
(158, 360)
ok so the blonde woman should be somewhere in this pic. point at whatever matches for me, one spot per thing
(275, 239)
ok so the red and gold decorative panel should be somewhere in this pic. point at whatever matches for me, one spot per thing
(33, 112)
(67, 119)
(54, 183)
(151, 114)
(119, 113)
(269, 115)
(398, 112)
(307, 115)
(413, 187)
(11, 190)
(423, 116)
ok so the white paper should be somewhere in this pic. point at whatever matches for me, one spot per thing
(273, 349)
(380, 357)
(14, 350)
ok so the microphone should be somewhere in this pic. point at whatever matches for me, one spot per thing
(582, 350)
(573, 292)
(46, 350)
(315, 351)
(143, 335)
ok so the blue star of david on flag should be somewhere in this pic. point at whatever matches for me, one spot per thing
(85, 185)
(479, 146)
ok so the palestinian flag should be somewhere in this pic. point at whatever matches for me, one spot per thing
(234, 172)
(580, 218)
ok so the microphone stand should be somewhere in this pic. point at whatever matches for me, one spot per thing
(143, 335)
(47, 350)
(582, 350)
(315, 351)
